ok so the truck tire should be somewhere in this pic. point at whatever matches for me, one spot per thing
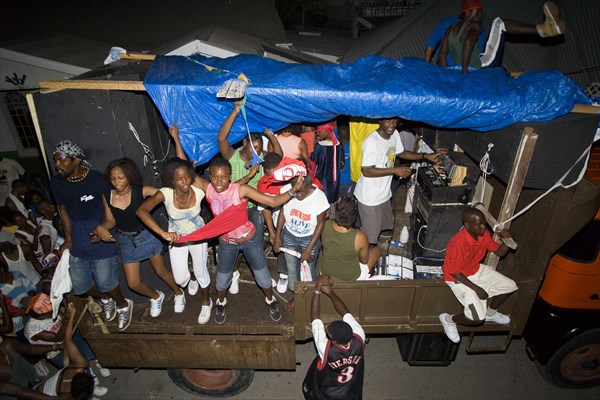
(576, 364)
(212, 382)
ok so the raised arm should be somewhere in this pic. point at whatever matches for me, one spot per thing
(271, 201)
(224, 147)
(444, 49)
(471, 38)
(174, 132)
(274, 145)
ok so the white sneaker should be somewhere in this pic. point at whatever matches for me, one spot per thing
(193, 287)
(235, 283)
(104, 372)
(499, 318)
(205, 313)
(124, 315)
(100, 391)
(449, 328)
(156, 305)
(179, 305)
(282, 283)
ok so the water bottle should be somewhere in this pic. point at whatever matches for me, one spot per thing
(404, 235)
(395, 243)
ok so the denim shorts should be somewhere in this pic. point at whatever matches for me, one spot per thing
(138, 246)
(85, 271)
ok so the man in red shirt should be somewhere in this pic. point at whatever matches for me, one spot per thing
(479, 288)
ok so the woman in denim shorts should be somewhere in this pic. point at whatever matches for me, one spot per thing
(136, 243)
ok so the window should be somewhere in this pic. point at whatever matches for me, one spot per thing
(21, 117)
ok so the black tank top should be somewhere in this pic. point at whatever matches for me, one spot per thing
(126, 219)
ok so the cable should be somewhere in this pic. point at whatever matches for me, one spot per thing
(585, 154)
(421, 245)
(484, 165)
(148, 156)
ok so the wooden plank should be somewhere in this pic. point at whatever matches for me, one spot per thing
(137, 56)
(585, 109)
(515, 184)
(38, 130)
(93, 85)
(492, 222)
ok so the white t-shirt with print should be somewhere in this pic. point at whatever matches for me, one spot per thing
(380, 153)
(301, 216)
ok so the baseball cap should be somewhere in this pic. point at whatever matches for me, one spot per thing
(470, 5)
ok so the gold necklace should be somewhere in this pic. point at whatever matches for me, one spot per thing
(79, 178)
(187, 201)
(119, 195)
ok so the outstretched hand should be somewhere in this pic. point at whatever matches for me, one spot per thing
(432, 157)
(298, 184)
(324, 284)
(174, 131)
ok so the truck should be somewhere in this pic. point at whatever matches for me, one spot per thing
(98, 109)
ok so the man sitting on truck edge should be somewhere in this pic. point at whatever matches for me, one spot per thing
(338, 370)
(478, 287)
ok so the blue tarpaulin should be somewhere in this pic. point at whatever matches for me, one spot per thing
(279, 94)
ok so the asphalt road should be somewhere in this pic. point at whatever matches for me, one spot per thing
(492, 377)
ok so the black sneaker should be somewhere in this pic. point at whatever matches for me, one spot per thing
(219, 313)
(274, 310)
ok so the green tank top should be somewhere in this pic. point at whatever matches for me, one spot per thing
(339, 259)
(456, 47)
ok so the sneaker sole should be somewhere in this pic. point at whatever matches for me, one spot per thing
(553, 16)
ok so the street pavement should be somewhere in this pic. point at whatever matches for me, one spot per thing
(492, 377)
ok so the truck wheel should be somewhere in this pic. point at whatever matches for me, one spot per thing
(212, 382)
(576, 364)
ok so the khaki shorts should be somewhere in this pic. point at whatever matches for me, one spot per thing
(493, 282)
(375, 219)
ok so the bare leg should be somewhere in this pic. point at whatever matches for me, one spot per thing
(463, 320)
(496, 301)
(158, 264)
(134, 282)
(117, 296)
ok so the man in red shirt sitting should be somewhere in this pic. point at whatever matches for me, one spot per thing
(479, 288)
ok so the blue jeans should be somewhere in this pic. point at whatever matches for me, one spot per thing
(258, 220)
(299, 244)
(85, 271)
(255, 255)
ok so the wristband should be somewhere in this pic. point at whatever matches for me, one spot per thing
(292, 194)
(317, 292)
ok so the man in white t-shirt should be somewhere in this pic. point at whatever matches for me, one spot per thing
(379, 151)
(10, 170)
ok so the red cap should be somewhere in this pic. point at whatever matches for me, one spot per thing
(470, 5)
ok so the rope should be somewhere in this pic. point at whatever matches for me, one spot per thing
(484, 166)
(148, 156)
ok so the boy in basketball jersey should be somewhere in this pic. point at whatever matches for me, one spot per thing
(338, 370)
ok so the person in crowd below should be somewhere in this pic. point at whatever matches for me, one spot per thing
(292, 145)
(345, 188)
(328, 156)
(49, 237)
(30, 199)
(379, 151)
(20, 258)
(337, 373)
(243, 170)
(28, 233)
(479, 288)
(16, 200)
(182, 201)
(225, 196)
(7, 229)
(460, 37)
(10, 170)
(72, 382)
(437, 37)
(135, 242)
(37, 183)
(78, 191)
(299, 228)
(18, 290)
(347, 255)
(41, 329)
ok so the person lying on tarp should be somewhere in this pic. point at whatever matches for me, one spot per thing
(461, 37)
